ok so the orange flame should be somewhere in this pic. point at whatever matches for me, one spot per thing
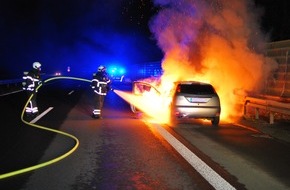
(217, 42)
(152, 104)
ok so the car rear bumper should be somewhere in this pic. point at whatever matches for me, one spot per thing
(197, 112)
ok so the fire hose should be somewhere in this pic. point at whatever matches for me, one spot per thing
(43, 164)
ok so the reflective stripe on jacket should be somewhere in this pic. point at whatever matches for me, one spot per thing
(100, 83)
(31, 80)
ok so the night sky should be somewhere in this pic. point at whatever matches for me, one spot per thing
(81, 34)
(275, 15)
(85, 33)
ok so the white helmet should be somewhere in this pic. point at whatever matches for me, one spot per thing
(101, 68)
(36, 65)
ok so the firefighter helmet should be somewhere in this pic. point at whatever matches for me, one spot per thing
(36, 65)
(101, 68)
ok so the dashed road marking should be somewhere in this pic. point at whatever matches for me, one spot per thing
(71, 92)
(41, 115)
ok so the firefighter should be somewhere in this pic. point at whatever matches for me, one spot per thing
(31, 81)
(101, 85)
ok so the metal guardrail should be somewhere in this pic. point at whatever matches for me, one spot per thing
(10, 86)
(272, 106)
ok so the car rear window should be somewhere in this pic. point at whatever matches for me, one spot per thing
(195, 89)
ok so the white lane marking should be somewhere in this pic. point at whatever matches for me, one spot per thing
(201, 167)
(263, 136)
(11, 93)
(71, 92)
(41, 115)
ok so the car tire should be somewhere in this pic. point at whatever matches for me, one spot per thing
(215, 121)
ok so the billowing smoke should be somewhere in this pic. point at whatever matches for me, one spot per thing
(216, 41)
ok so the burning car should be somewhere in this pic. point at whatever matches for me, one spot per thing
(187, 99)
(196, 100)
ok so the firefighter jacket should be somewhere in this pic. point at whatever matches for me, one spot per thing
(31, 80)
(101, 83)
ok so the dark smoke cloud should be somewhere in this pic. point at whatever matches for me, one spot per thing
(188, 28)
(217, 41)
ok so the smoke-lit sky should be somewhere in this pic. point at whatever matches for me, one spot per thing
(85, 33)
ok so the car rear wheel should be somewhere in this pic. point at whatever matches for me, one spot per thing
(215, 121)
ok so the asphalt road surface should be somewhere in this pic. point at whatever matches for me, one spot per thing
(116, 152)
(121, 151)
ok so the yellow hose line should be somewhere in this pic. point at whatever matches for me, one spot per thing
(13, 173)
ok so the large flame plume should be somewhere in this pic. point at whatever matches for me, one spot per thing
(215, 41)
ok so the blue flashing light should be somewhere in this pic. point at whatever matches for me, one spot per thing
(113, 70)
(116, 71)
(122, 71)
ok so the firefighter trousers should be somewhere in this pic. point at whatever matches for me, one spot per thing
(98, 105)
(31, 108)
